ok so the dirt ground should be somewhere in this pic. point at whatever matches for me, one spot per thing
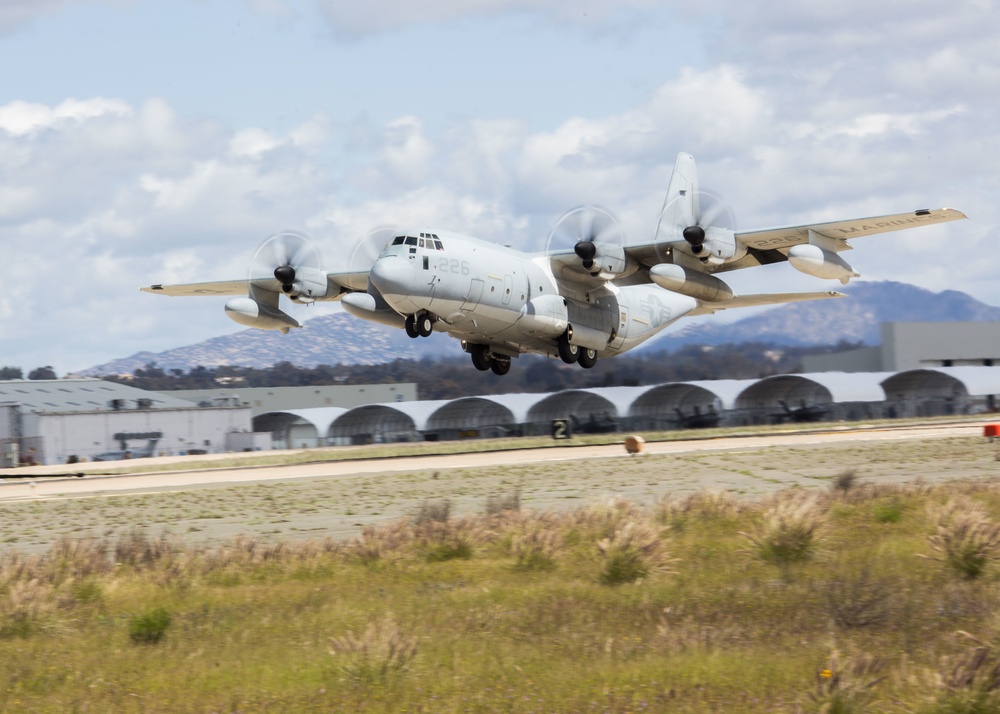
(335, 499)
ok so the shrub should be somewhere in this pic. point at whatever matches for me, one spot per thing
(382, 651)
(536, 548)
(966, 537)
(969, 682)
(789, 530)
(845, 688)
(149, 627)
(26, 609)
(858, 600)
(845, 480)
(501, 504)
(448, 540)
(630, 554)
(432, 512)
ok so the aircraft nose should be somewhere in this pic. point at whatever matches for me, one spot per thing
(392, 276)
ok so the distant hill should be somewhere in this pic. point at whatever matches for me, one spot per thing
(342, 339)
(855, 318)
(328, 339)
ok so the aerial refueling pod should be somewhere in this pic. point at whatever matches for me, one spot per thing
(372, 307)
(820, 262)
(693, 283)
(545, 315)
(249, 312)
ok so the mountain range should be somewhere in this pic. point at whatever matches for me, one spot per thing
(342, 339)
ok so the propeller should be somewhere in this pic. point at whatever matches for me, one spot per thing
(582, 229)
(708, 210)
(289, 262)
(367, 250)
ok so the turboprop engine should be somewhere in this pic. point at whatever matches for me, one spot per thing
(714, 245)
(606, 260)
(820, 262)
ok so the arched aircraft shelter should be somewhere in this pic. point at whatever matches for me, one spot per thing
(297, 428)
(681, 405)
(383, 423)
(481, 417)
(820, 396)
(942, 390)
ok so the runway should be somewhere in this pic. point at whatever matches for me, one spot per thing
(90, 485)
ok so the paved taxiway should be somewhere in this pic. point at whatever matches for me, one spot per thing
(70, 487)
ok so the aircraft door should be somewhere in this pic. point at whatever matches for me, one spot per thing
(475, 293)
(621, 330)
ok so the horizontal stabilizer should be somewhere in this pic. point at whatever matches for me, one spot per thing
(707, 308)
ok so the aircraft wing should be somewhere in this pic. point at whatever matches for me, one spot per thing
(219, 287)
(770, 245)
(842, 231)
(339, 283)
(708, 308)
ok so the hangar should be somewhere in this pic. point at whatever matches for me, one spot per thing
(941, 391)
(383, 423)
(298, 428)
(482, 417)
(66, 420)
(821, 396)
(591, 411)
(686, 405)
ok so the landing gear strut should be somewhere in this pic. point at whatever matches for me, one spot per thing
(419, 325)
(482, 359)
(500, 364)
(588, 358)
(568, 353)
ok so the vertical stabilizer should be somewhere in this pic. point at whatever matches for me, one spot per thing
(680, 207)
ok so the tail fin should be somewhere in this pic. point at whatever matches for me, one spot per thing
(680, 207)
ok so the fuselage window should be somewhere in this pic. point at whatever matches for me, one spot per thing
(438, 245)
(411, 240)
(398, 240)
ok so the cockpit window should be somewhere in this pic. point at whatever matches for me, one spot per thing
(438, 245)
(411, 240)
(398, 240)
(421, 242)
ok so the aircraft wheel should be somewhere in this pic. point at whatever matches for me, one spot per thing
(481, 357)
(411, 327)
(588, 358)
(500, 365)
(425, 325)
(568, 353)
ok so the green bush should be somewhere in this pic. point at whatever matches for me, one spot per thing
(149, 627)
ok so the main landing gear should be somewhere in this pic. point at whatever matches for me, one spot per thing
(419, 325)
(574, 354)
(484, 360)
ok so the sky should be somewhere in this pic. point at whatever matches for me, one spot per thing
(159, 141)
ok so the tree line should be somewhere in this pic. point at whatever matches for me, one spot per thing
(453, 377)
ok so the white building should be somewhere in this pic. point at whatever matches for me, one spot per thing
(64, 420)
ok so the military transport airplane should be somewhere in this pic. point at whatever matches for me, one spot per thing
(596, 297)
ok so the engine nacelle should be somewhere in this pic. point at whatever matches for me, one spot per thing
(607, 260)
(692, 283)
(720, 247)
(820, 263)
(545, 315)
(249, 312)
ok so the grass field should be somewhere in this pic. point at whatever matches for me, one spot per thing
(848, 596)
